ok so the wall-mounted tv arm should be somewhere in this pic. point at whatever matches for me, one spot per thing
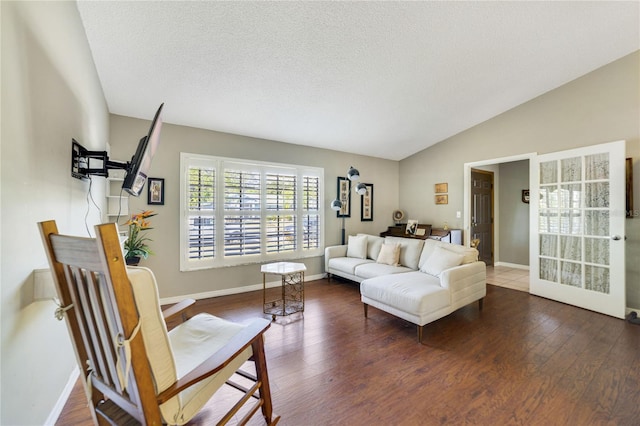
(85, 163)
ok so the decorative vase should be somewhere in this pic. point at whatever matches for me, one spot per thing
(133, 261)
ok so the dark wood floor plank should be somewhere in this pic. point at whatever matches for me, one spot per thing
(521, 360)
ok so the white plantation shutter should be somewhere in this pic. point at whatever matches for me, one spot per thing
(242, 191)
(238, 211)
(201, 213)
(311, 209)
(281, 201)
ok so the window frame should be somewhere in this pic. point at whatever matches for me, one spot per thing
(218, 213)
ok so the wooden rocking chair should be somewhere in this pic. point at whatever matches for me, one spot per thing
(136, 371)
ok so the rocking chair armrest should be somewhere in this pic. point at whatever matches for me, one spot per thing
(218, 360)
(177, 309)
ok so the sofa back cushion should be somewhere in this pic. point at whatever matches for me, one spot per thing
(440, 260)
(469, 255)
(374, 243)
(410, 250)
(357, 246)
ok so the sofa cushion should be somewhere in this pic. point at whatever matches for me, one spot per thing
(346, 264)
(374, 244)
(469, 254)
(410, 250)
(389, 254)
(370, 270)
(440, 260)
(413, 292)
(357, 246)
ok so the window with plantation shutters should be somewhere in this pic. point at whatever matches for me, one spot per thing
(239, 211)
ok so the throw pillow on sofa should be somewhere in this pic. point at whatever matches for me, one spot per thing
(357, 246)
(440, 260)
(389, 254)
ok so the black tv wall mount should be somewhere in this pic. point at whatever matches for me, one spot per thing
(85, 163)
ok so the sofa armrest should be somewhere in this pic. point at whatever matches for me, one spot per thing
(459, 277)
(333, 251)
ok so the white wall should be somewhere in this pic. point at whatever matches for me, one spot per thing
(602, 106)
(125, 132)
(50, 93)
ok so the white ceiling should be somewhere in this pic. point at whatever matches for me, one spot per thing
(385, 79)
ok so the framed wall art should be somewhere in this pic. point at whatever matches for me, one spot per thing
(366, 204)
(442, 199)
(344, 195)
(155, 191)
(442, 188)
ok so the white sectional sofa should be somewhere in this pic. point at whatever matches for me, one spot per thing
(417, 280)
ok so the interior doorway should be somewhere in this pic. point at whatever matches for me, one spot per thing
(508, 245)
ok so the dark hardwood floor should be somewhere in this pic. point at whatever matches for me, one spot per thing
(523, 360)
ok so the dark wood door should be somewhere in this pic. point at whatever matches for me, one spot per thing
(482, 212)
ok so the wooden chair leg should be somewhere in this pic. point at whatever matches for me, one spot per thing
(480, 303)
(366, 309)
(420, 328)
(263, 376)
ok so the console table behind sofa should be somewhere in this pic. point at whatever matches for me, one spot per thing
(453, 236)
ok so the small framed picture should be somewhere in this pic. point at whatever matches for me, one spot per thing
(442, 199)
(344, 195)
(412, 226)
(525, 196)
(366, 204)
(155, 193)
(442, 188)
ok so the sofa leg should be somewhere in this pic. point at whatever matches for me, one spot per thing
(366, 309)
(420, 328)
(480, 303)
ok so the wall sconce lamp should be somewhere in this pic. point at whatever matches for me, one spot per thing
(352, 175)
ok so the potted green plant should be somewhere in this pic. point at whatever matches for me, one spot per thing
(135, 247)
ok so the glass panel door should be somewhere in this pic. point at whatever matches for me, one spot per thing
(577, 222)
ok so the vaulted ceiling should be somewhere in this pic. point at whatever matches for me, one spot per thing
(385, 79)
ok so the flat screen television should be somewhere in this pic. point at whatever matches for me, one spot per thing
(140, 163)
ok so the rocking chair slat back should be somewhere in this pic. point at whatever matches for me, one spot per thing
(102, 317)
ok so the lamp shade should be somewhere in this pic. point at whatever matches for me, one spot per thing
(336, 205)
(353, 174)
(361, 188)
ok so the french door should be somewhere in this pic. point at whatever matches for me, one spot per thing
(577, 227)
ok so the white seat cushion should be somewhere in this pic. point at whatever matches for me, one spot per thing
(346, 264)
(193, 342)
(173, 354)
(370, 270)
(414, 292)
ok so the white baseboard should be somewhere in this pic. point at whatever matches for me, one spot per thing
(512, 265)
(228, 291)
(628, 311)
(62, 399)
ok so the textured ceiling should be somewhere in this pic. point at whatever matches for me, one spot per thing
(385, 79)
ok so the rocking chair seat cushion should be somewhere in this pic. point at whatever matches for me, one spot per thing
(173, 354)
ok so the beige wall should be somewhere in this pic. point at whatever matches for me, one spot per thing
(602, 106)
(126, 131)
(514, 214)
(50, 93)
